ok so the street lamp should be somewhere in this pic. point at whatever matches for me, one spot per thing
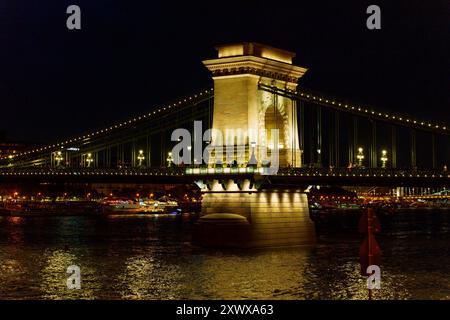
(58, 158)
(169, 159)
(384, 158)
(89, 159)
(360, 156)
(141, 157)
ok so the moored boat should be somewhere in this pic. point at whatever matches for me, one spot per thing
(121, 206)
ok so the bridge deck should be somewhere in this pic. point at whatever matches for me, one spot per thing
(285, 176)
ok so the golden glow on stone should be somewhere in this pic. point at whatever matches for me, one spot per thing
(273, 55)
(254, 49)
(231, 50)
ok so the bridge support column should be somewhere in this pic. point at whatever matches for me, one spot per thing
(301, 126)
(148, 155)
(238, 215)
(433, 150)
(353, 141)
(133, 153)
(319, 136)
(413, 149)
(108, 157)
(337, 131)
(394, 146)
(373, 145)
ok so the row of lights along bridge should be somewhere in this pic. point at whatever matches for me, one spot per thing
(141, 158)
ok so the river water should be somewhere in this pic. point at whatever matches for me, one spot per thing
(151, 257)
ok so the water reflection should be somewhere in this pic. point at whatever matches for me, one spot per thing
(144, 277)
(145, 257)
(53, 276)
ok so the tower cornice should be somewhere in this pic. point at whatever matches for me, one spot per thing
(249, 58)
(263, 67)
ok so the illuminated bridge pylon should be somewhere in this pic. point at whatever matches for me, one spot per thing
(239, 105)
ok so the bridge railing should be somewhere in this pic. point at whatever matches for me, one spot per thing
(193, 171)
(364, 172)
(93, 171)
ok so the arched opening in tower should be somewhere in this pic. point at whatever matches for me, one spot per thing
(273, 119)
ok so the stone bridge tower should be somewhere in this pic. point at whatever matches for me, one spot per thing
(244, 213)
(240, 105)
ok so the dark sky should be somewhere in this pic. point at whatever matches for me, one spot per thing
(133, 55)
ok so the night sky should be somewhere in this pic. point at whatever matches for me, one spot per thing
(131, 56)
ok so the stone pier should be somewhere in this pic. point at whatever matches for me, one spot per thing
(239, 215)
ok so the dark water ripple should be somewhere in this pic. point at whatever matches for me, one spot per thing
(146, 257)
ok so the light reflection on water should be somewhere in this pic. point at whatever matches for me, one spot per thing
(146, 257)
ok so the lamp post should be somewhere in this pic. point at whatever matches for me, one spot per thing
(140, 157)
(89, 159)
(10, 158)
(383, 158)
(360, 156)
(169, 159)
(58, 158)
(319, 157)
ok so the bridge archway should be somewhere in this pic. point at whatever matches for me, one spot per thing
(273, 116)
